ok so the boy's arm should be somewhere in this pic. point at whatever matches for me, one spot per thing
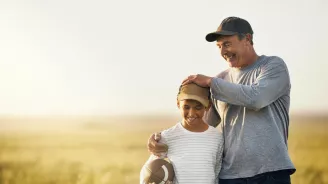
(143, 171)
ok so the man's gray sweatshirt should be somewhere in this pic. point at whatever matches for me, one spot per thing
(251, 106)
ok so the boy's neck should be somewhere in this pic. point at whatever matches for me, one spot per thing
(200, 127)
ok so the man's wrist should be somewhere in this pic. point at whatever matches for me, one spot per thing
(209, 82)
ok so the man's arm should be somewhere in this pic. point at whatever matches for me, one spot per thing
(272, 82)
(212, 116)
(155, 145)
(219, 161)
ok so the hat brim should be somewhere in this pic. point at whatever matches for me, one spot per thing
(194, 97)
(211, 37)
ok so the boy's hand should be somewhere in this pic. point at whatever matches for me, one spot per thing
(154, 146)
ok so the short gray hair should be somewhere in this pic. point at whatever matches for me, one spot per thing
(242, 36)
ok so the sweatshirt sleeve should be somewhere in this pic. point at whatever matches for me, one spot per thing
(211, 116)
(219, 160)
(272, 82)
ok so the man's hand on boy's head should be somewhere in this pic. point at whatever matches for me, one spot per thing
(202, 80)
(156, 147)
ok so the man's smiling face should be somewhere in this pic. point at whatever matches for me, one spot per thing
(233, 50)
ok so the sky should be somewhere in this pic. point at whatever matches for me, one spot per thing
(112, 57)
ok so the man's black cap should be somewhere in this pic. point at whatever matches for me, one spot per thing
(230, 26)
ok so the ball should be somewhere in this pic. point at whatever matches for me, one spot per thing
(158, 171)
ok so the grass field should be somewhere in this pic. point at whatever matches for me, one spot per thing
(103, 150)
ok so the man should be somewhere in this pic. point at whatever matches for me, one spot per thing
(251, 101)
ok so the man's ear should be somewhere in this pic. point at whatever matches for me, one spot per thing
(248, 38)
(178, 104)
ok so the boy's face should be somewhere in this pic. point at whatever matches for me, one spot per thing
(192, 111)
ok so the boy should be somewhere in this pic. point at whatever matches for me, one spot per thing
(195, 148)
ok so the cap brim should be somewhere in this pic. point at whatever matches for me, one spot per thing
(211, 37)
(194, 97)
